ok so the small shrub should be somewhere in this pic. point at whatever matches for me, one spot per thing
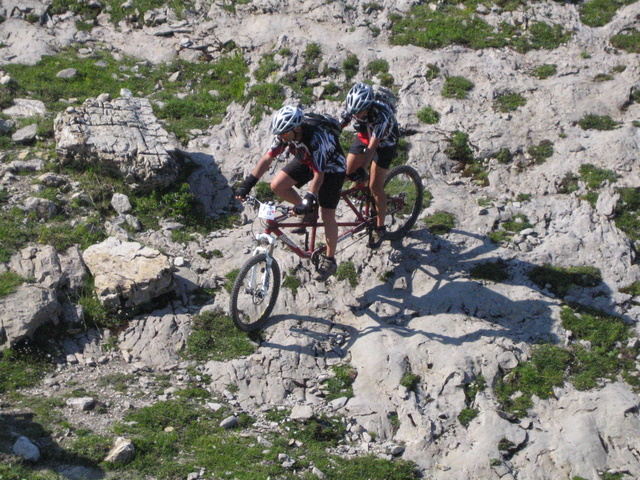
(504, 155)
(467, 415)
(545, 71)
(456, 87)
(341, 384)
(428, 115)
(523, 197)
(459, 148)
(509, 102)
(351, 65)
(493, 271)
(347, 271)
(231, 278)
(379, 66)
(266, 66)
(597, 122)
(542, 151)
(410, 381)
(432, 71)
(568, 184)
(440, 222)
(603, 77)
(313, 52)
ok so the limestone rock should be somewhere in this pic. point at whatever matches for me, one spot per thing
(22, 312)
(123, 451)
(27, 450)
(128, 274)
(122, 135)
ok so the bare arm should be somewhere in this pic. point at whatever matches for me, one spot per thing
(316, 182)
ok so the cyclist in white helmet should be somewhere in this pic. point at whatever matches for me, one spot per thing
(318, 159)
(375, 145)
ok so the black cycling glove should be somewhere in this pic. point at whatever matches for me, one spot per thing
(307, 205)
(246, 186)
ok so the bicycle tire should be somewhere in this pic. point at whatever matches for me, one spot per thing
(404, 190)
(247, 301)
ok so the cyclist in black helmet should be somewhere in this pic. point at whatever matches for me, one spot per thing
(375, 145)
(319, 161)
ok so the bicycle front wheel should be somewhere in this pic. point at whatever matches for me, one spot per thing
(404, 190)
(255, 292)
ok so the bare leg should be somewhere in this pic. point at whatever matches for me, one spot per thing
(330, 230)
(354, 162)
(282, 185)
(376, 184)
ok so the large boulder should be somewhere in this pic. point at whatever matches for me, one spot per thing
(28, 308)
(121, 135)
(128, 275)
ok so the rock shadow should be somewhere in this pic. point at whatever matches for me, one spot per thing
(52, 456)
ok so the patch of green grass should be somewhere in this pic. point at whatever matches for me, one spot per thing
(537, 377)
(633, 289)
(504, 155)
(601, 330)
(457, 87)
(594, 176)
(509, 102)
(597, 13)
(402, 153)
(20, 370)
(428, 115)
(603, 77)
(517, 223)
(91, 447)
(268, 97)
(545, 71)
(560, 280)
(597, 122)
(523, 197)
(626, 212)
(13, 468)
(459, 24)
(541, 152)
(266, 66)
(458, 148)
(263, 192)
(493, 271)
(117, 381)
(292, 282)
(214, 337)
(341, 384)
(440, 222)
(347, 271)
(9, 282)
(197, 110)
(466, 415)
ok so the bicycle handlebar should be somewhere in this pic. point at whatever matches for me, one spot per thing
(253, 201)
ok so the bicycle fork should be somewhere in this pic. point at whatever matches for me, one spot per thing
(265, 245)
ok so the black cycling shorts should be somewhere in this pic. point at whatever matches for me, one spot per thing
(383, 156)
(329, 194)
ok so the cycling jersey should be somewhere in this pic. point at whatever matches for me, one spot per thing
(381, 123)
(319, 150)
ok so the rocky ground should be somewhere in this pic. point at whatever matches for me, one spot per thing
(416, 307)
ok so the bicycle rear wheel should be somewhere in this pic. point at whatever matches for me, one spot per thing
(404, 190)
(254, 293)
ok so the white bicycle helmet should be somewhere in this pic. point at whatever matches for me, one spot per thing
(359, 98)
(286, 119)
